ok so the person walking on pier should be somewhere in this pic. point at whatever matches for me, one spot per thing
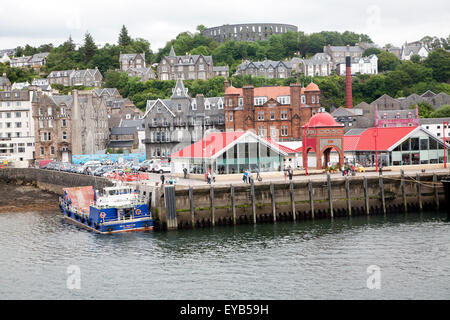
(162, 179)
(185, 172)
(291, 173)
(244, 177)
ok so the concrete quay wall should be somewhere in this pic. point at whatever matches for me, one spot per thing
(205, 206)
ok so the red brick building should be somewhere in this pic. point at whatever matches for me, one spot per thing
(273, 111)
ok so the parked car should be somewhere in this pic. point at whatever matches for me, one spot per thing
(162, 167)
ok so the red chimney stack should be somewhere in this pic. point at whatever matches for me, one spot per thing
(348, 83)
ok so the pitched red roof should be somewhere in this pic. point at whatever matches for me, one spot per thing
(384, 138)
(280, 146)
(208, 146)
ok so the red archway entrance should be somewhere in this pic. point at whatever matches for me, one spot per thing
(322, 134)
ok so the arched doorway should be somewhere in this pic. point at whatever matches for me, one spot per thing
(323, 134)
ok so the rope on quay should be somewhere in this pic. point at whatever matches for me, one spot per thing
(423, 183)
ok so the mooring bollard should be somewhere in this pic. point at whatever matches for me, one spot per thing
(349, 201)
(272, 195)
(292, 200)
(191, 201)
(419, 192)
(311, 198)
(252, 186)
(436, 191)
(233, 205)
(330, 198)
(212, 206)
(366, 195)
(383, 200)
(405, 204)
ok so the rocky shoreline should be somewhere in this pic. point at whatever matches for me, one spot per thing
(25, 198)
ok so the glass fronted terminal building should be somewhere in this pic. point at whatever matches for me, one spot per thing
(228, 153)
(395, 146)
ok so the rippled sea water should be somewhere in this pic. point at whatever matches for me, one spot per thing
(320, 259)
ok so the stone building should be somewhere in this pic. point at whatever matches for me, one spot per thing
(69, 125)
(247, 31)
(275, 112)
(266, 68)
(338, 53)
(87, 78)
(172, 124)
(35, 61)
(123, 138)
(188, 67)
(5, 84)
(144, 74)
(131, 60)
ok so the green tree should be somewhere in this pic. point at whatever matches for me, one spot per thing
(124, 38)
(439, 61)
(425, 109)
(415, 58)
(387, 61)
(442, 112)
(370, 51)
(89, 48)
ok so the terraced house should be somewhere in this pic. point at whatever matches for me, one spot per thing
(189, 67)
(87, 78)
(172, 124)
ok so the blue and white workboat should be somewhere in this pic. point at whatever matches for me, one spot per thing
(118, 209)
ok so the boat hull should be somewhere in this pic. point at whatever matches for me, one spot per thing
(110, 227)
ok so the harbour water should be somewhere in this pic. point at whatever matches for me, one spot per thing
(322, 259)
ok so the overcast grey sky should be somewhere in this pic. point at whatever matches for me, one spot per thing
(50, 21)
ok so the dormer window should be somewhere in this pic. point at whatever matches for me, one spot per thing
(194, 105)
(178, 92)
(207, 106)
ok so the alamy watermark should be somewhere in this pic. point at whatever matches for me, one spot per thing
(74, 279)
(374, 279)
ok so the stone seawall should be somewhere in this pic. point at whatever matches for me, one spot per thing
(50, 181)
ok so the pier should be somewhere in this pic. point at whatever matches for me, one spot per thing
(332, 196)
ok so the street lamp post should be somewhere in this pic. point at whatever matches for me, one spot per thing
(444, 123)
(376, 149)
(305, 151)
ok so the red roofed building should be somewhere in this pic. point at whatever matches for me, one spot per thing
(229, 152)
(394, 146)
(277, 112)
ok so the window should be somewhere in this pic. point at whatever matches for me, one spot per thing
(52, 150)
(230, 116)
(63, 123)
(303, 99)
(64, 135)
(260, 115)
(49, 111)
(262, 131)
(241, 102)
(179, 107)
(283, 114)
(18, 124)
(50, 123)
(207, 105)
(284, 131)
(220, 104)
(194, 105)
(18, 114)
(41, 151)
(41, 111)
(272, 115)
